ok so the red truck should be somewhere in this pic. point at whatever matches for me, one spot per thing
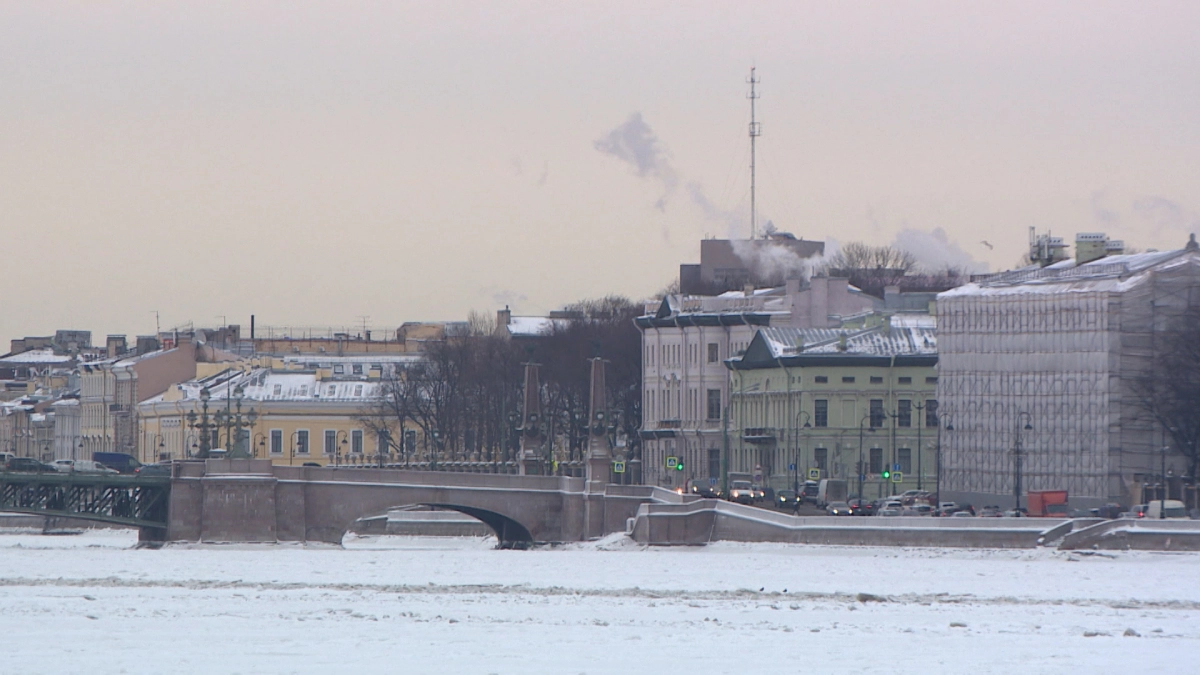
(1048, 503)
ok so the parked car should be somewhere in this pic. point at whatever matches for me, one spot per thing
(1137, 511)
(888, 513)
(29, 465)
(861, 507)
(809, 491)
(962, 514)
(838, 509)
(785, 499)
(82, 466)
(991, 512)
(741, 492)
(158, 469)
(918, 510)
(1169, 509)
(125, 463)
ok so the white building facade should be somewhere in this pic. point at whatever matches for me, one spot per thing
(1035, 372)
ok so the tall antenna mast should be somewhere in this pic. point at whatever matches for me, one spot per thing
(755, 132)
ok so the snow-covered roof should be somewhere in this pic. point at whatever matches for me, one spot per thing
(876, 341)
(533, 326)
(1111, 273)
(262, 384)
(40, 356)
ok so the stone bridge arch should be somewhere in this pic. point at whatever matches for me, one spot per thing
(509, 532)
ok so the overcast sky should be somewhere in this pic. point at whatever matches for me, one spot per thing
(313, 163)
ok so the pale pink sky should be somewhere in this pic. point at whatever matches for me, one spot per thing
(314, 162)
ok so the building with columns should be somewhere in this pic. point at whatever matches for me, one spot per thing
(687, 339)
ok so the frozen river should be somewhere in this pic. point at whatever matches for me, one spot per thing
(93, 603)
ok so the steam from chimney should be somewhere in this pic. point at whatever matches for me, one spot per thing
(635, 143)
(935, 252)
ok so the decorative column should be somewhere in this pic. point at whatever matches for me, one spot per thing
(532, 440)
(599, 456)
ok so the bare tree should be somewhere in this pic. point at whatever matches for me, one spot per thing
(1169, 390)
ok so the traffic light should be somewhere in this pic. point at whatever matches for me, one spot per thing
(679, 466)
(887, 474)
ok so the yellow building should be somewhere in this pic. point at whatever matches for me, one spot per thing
(852, 404)
(291, 410)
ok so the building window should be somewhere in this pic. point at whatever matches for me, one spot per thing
(821, 379)
(876, 413)
(714, 404)
(821, 459)
(931, 380)
(339, 369)
(931, 413)
(381, 443)
(904, 459)
(714, 462)
(356, 441)
(358, 390)
(820, 412)
(906, 380)
(330, 442)
(277, 441)
(331, 391)
(278, 391)
(904, 413)
(876, 380)
(302, 442)
(356, 369)
(714, 352)
(847, 379)
(876, 461)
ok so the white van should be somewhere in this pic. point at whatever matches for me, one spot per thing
(1171, 508)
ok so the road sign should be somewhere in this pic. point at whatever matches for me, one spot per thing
(791, 467)
(814, 474)
(672, 462)
(897, 477)
(712, 482)
(618, 467)
(758, 473)
(896, 466)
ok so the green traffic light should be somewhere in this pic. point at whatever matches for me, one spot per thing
(886, 474)
(679, 466)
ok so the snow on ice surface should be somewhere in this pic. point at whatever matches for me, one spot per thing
(92, 603)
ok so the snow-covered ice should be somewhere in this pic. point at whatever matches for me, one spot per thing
(93, 603)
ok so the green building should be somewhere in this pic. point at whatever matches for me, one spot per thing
(857, 404)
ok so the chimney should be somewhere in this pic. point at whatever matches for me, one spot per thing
(1090, 246)
(114, 345)
(503, 316)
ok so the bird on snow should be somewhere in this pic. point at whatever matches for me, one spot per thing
(985, 243)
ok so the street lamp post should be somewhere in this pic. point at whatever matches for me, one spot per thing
(861, 468)
(1017, 453)
(796, 471)
(339, 445)
(1162, 493)
(260, 442)
(920, 422)
(938, 476)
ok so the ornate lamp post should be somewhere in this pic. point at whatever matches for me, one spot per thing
(339, 447)
(202, 424)
(260, 443)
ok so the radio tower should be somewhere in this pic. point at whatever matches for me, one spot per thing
(755, 131)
